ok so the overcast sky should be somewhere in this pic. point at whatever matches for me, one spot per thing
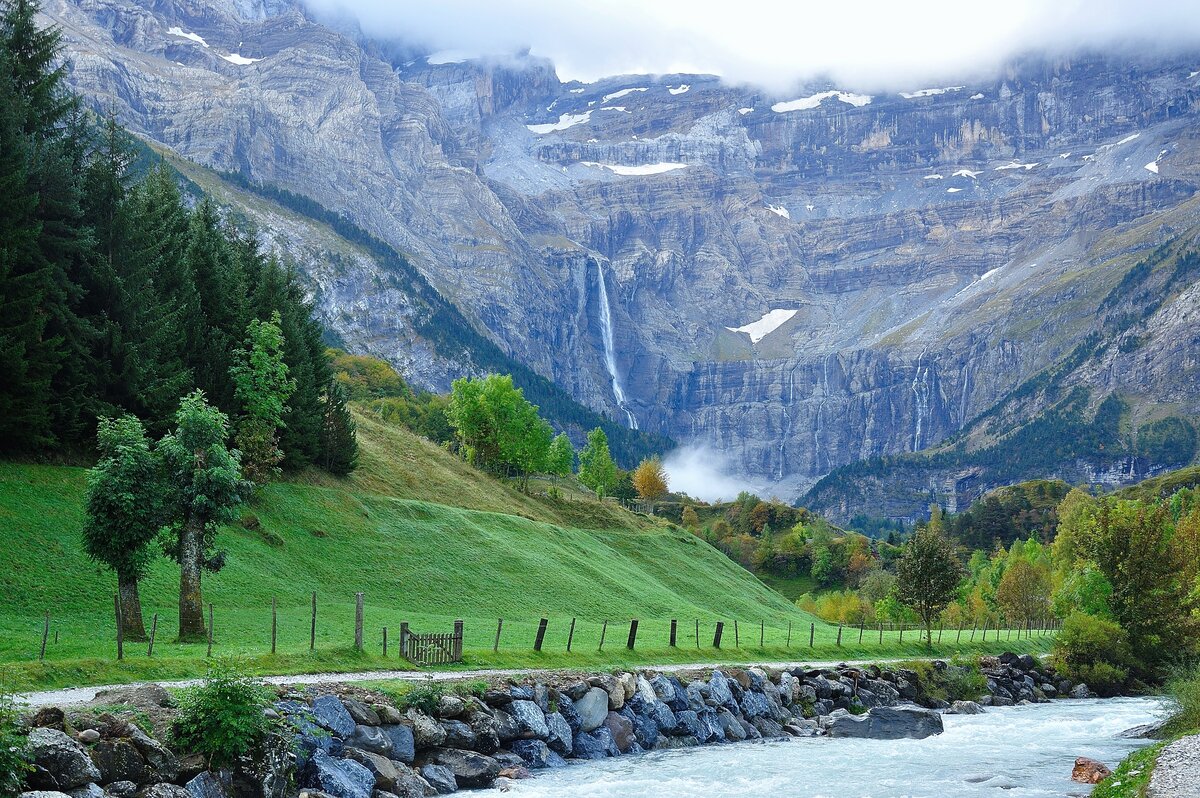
(897, 44)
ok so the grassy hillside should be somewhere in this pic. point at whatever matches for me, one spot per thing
(389, 532)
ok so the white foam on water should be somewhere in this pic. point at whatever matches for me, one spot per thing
(933, 177)
(966, 173)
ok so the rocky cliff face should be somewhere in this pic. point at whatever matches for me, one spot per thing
(799, 281)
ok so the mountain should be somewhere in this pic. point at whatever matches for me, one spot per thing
(800, 282)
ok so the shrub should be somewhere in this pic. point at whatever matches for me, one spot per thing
(1184, 691)
(1094, 651)
(13, 766)
(424, 697)
(223, 717)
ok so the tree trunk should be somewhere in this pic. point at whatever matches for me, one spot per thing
(131, 609)
(191, 601)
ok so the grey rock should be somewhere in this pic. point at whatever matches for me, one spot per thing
(506, 726)
(207, 785)
(469, 768)
(885, 723)
(537, 755)
(370, 738)
(965, 708)
(621, 730)
(43, 794)
(403, 743)
(88, 736)
(386, 772)
(1080, 691)
(440, 778)
(121, 789)
(731, 726)
(118, 760)
(559, 733)
(531, 722)
(450, 706)
(341, 778)
(164, 790)
(61, 757)
(388, 715)
(426, 731)
(331, 715)
(592, 709)
(755, 705)
(361, 714)
(91, 790)
(458, 734)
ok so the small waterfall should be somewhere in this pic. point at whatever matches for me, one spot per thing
(610, 357)
(819, 416)
(920, 390)
(787, 421)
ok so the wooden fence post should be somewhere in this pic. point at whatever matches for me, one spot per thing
(789, 637)
(762, 631)
(862, 625)
(958, 638)
(385, 642)
(541, 634)
(458, 640)
(275, 624)
(570, 635)
(633, 625)
(210, 629)
(120, 627)
(405, 638)
(312, 632)
(939, 635)
(812, 634)
(499, 626)
(697, 634)
(673, 632)
(358, 621)
(737, 640)
(153, 631)
(45, 635)
(603, 632)
(973, 624)
(901, 633)
(881, 634)
(717, 634)
(839, 639)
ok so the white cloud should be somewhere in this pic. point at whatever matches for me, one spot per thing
(866, 45)
(703, 473)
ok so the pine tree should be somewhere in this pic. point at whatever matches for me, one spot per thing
(339, 445)
(221, 289)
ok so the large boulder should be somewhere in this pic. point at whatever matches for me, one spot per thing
(537, 755)
(670, 692)
(719, 690)
(469, 768)
(403, 744)
(965, 708)
(331, 714)
(1089, 771)
(592, 709)
(370, 738)
(360, 713)
(621, 730)
(458, 734)
(559, 733)
(386, 772)
(531, 721)
(118, 760)
(341, 778)
(426, 731)
(506, 726)
(207, 785)
(164, 790)
(885, 723)
(440, 778)
(63, 761)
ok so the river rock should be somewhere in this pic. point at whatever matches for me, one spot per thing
(118, 760)
(458, 734)
(43, 794)
(341, 778)
(885, 723)
(386, 772)
(537, 754)
(506, 726)
(592, 709)
(332, 715)
(121, 789)
(720, 692)
(403, 744)
(469, 768)
(559, 734)
(586, 745)
(388, 715)
(426, 731)
(531, 722)
(754, 705)
(965, 708)
(88, 736)
(1081, 691)
(63, 759)
(1089, 771)
(370, 738)
(621, 730)
(89, 790)
(362, 714)
(207, 785)
(730, 725)
(440, 778)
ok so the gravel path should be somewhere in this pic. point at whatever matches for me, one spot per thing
(1177, 774)
(82, 695)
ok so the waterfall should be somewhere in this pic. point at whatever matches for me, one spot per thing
(921, 401)
(787, 419)
(818, 417)
(610, 357)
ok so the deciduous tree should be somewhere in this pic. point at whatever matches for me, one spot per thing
(650, 480)
(596, 467)
(928, 574)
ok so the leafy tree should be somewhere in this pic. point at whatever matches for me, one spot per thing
(690, 519)
(650, 480)
(1150, 599)
(928, 574)
(339, 443)
(124, 511)
(262, 386)
(1077, 519)
(596, 467)
(204, 487)
(561, 460)
(1024, 591)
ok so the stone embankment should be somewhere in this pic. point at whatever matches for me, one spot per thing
(348, 742)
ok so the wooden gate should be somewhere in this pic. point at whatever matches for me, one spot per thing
(432, 649)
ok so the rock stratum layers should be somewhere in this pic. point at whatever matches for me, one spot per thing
(799, 282)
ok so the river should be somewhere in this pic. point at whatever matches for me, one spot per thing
(1013, 752)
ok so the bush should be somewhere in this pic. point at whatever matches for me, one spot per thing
(424, 697)
(13, 766)
(223, 717)
(1094, 651)
(1184, 691)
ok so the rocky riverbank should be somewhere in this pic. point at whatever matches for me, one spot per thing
(349, 742)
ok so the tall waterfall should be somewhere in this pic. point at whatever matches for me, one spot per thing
(610, 357)
(920, 389)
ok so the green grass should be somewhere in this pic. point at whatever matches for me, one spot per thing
(390, 533)
(792, 587)
(1132, 776)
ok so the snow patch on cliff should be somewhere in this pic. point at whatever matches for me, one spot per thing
(680, 89)
(910, 95)
(644, 169)
(1016, 165)
(769, 323)
(447, 57)
(616, 95)
(178, 31)
(565, 121)
(240, 60)
(933, 177)
(779, 210)
(953, 190)
(744, 111)
(812, 101)
(966, 173)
